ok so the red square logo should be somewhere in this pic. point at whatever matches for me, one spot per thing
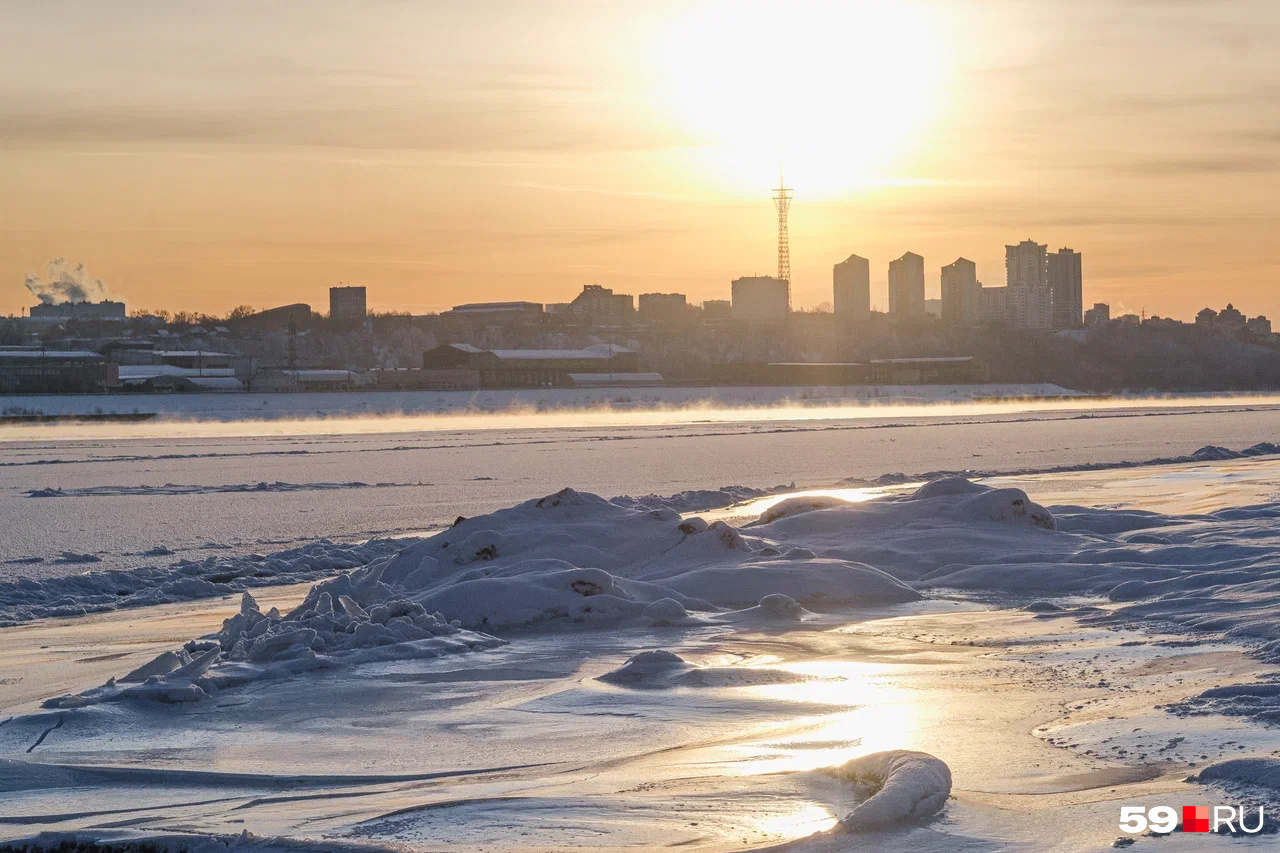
(1195, 818)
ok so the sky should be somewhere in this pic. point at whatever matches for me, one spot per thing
(203, 155)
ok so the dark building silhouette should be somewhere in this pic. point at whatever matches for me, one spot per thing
(761, 299)
(906, 287)
(347, 303)
(961, 293)
(1063, 271)
(851, 289)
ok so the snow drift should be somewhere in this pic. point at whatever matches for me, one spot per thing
(901, 787)
(568, 559)
(572, 560)
(1258, 772)
(660, 669)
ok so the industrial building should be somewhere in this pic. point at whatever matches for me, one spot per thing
(761, 299)
(531, 368)
(35, 371)
(176, 370)
(318, 379)
(961, 370)
(494, 312)
(299, 313)
(949, 370)
(851, 289)
(347, 303)
(57, 311)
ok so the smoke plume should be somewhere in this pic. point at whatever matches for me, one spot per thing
(65, 283)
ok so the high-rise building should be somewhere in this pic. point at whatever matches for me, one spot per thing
(347, 303)
(761, 299)
(993, 306)
(717, 309)
(1064, 274)
(851, 286)
(663, 307)
(1099, 313)
(961, 299)
(598, 304)
(906, 287)
(1030, 302)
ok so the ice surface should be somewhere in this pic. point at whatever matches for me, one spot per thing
(180, 842)
(194, 489)
(904, 787)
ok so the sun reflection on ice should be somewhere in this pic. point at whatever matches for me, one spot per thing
(759, 506)
(805, 820)
(869, 713)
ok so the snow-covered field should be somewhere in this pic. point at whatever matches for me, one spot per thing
(880, 656)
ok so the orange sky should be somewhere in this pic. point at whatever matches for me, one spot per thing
(201, 155)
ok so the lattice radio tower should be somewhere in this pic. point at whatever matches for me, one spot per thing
(782, 201)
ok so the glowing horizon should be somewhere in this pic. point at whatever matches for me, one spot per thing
(209, 156)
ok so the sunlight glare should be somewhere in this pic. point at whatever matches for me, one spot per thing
(833, 92)
(870, 713)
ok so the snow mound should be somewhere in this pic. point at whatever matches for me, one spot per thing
(902, 787)
(660, 669)
(1259, 772)
(576, 559)
(1256, 701)
(779, 608)
(796, 506)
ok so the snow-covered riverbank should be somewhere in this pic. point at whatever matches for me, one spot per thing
(575, 672)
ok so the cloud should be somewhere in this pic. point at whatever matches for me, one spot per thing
(1235, 164)
(430, 126)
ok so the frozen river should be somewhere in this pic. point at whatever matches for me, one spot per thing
(1002, 663)
(115, 491)
(1110, 657)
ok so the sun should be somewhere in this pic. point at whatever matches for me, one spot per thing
(835, 92)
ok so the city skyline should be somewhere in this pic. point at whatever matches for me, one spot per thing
(435, 153)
